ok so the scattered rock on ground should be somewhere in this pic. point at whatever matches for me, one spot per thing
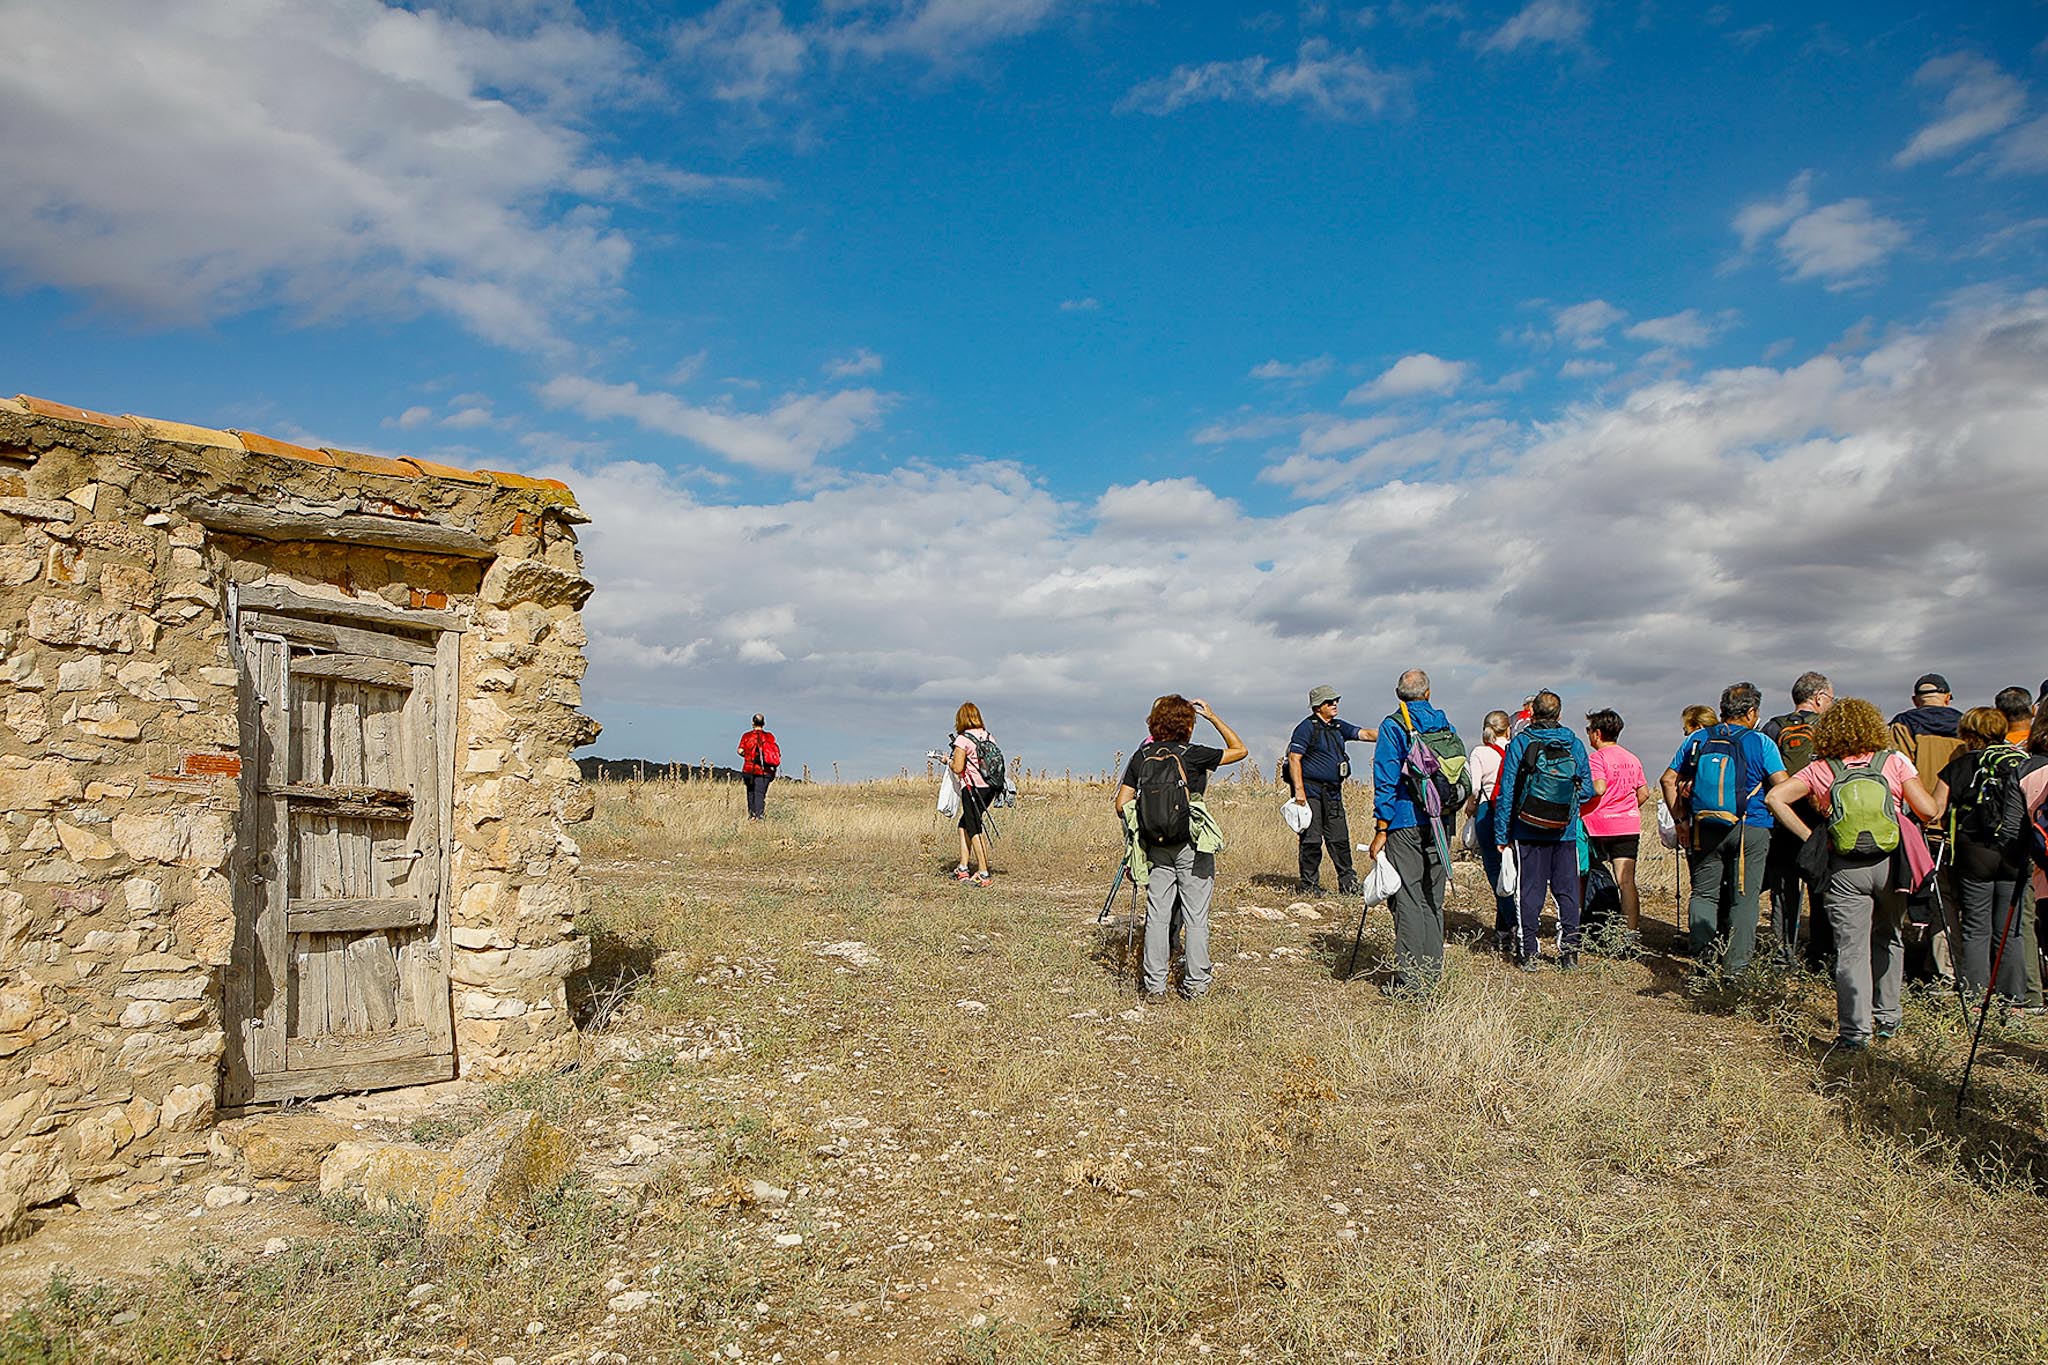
(851, 950)
(473, 1187)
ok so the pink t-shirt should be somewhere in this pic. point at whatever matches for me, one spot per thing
(1615, 811)
(1820, 778)
(972, 769)
(2034, 787)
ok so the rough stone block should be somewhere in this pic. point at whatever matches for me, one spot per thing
(511, 581)
(475, 1188)
(60, 621)
(129, 586)
(188, 837)
(282, 1146)
(32, 1174)
(36, 784)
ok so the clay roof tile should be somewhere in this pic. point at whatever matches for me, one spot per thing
(258, 444)
(44, 407)
(189, 435)
(505, 479)
(434, 469)
(357, 461)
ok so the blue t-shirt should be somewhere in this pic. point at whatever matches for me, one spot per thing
(1760, 758)
(1322, 755)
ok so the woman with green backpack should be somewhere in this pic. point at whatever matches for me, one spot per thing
(1863, 785)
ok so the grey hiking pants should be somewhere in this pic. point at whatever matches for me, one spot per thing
(1870, 953)
(1727, 893)
(1418, 908)
(1983, 912)
(1183, 874)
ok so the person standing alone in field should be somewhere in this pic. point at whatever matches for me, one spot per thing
(978, 765)
(1317, 767)
(761, 756)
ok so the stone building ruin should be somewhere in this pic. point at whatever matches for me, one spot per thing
(286, 784)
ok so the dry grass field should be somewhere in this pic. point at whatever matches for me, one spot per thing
(991, 1152)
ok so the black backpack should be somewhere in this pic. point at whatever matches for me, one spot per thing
(1990, 810)
(1162, 786)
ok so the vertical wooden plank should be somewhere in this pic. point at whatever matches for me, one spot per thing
(372, 984)
(436, 766)
(275, 972)
(245, 877)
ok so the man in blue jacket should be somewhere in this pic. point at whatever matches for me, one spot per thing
(1727, 854)
(1401, 829)
(1545, 779)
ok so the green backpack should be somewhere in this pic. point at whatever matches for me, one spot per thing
(1863, 815)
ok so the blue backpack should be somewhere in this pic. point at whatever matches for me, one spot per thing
(1547, 795)
(1718, 767)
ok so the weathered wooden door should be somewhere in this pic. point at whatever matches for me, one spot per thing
(344, 985)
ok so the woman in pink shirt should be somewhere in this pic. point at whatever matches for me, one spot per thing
(1863, 907)
(1614, 821)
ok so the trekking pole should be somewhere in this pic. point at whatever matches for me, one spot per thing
(1351, 963)
(2019, 892)
(1955, 975)
(1114, 887)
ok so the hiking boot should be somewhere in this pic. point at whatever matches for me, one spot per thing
(960, 873)
(1350, 887)
(1851, 1045)
(1567, 961)
(1885, 1031)
(1532, 963)
(1309, 889)
(979, 879)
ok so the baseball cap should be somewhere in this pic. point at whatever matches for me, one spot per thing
(1931, 682)
(1321, 693)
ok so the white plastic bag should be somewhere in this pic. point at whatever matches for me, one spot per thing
(1667, 828)
(1296, 816)
(1382, 882)
(1468, 834)
(949, 793)
(1510, 874)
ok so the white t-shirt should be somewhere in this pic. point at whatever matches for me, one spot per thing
(1485, 768)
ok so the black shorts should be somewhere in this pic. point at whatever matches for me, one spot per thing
(1608, 847)
(972, 799)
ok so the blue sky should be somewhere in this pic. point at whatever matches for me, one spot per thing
(1059, 352)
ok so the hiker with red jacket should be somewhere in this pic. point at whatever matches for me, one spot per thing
(762, 757)
(1812, 695)
(1486, 761)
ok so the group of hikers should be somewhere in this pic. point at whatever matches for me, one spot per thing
(1918, 838)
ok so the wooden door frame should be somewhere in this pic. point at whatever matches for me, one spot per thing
(254, 1068)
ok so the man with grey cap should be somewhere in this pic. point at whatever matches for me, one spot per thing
(1317, 766)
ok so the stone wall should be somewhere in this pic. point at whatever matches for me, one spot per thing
(120, 762)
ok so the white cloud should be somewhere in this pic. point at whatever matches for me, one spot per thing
(1758, 220)
(1586, 325)
(747, 51)
(417, 415)
(1087, 305)
(468, 419)
(1336, 83)
(1585, 369)
(1685, 330)
(1981, 100)
(1411, 376)
(1295, 372)
(189, 161)
(1629, 552)
(787, 438)
(2024, 150)
(862, 361)
(1840, 244)
(1553, 23)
